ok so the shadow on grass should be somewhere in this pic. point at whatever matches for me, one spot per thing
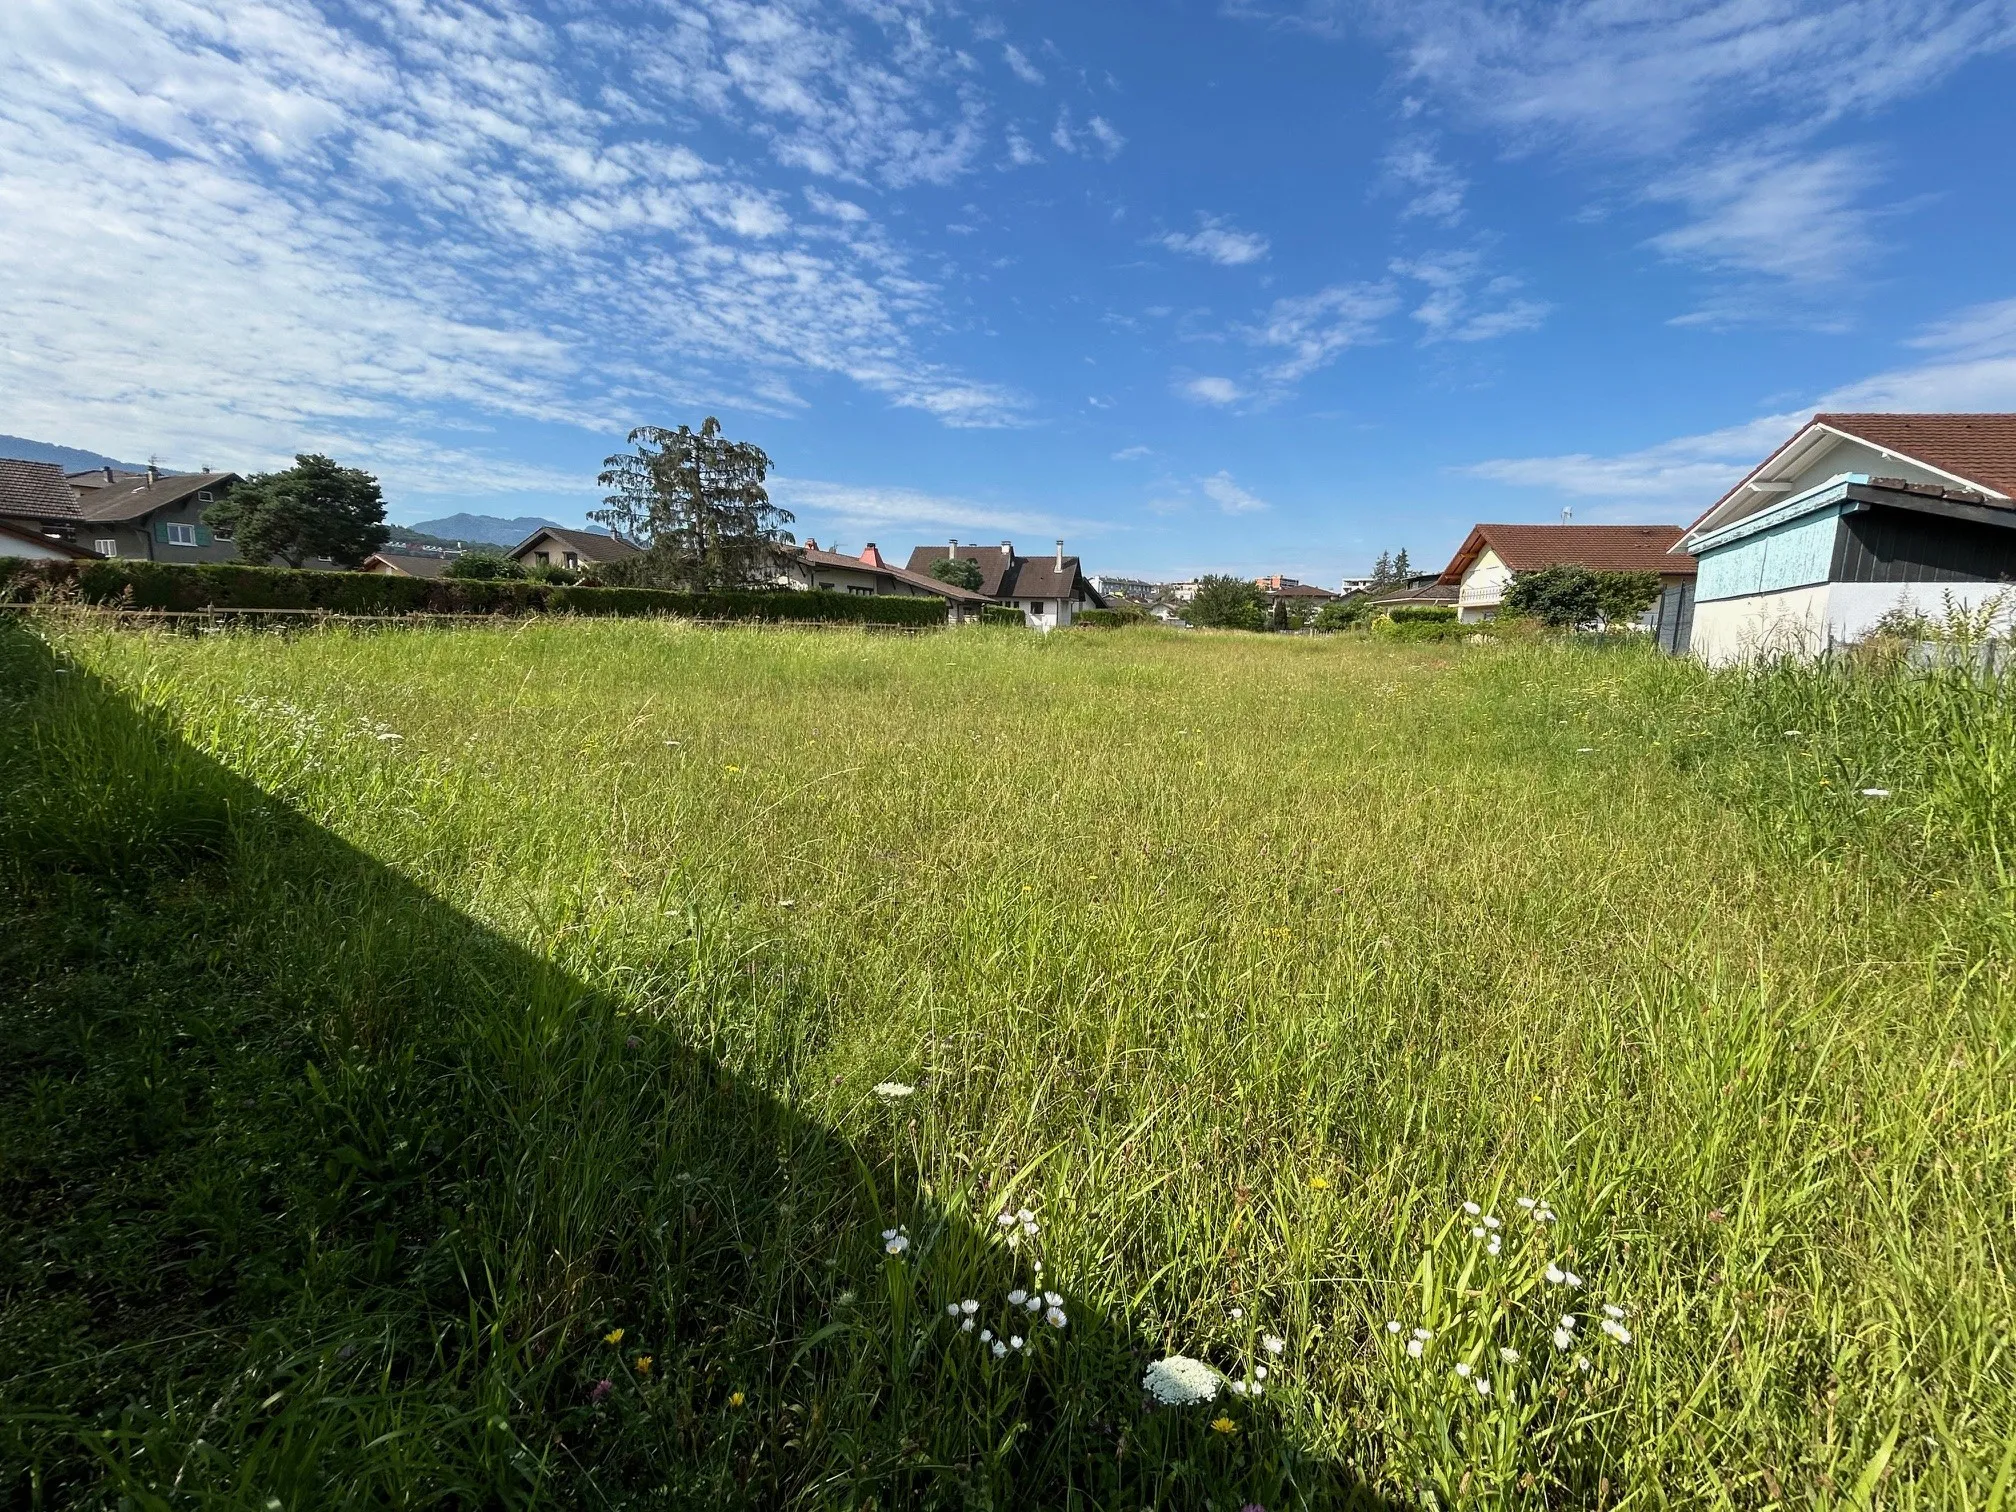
(318, 1193)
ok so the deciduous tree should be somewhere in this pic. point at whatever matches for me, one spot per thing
(312, 509)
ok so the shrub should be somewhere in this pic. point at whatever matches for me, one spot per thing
(1226, 603)
(1569, 597)
(1423, 630)
(961, 572)
(227, 585)
(1421, 614)
(1001, 614)
(1108, 619)
(483, 566)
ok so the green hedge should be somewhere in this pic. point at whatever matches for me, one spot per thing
(1001, 614)
(1421, 614)
(1424, 630)
(1107, 619)
(227, 585)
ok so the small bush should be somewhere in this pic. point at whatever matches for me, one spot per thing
(1108, 619)
(1421, 614)
(1001, 614)
(227, 585)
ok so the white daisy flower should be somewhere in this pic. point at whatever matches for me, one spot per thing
(895, 1244)
(1413, 1349)
(969, 1307)
(1477, 1231)
(1617, 1330)
(1055, 1317)
(1493, 1247)
(1015, 1341)
(1179, 1381)
(1574, 1281)
(1017, 1297)
(1034, 1304)
(1392, 1325)
(1613, 1310)
(1472, 1209)
(1274, 1343)
(1000, 1349)
(1554, 1274)
(1492, 1223)
(893, 1089)
(1053, 1298)
(1483, 1386)
(1529, 1203)
(1463, 1370)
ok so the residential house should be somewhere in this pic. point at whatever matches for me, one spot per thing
(155, 516)
(39, 517)
(1420, 588)
(1492, 555)
(1281, 589)
(390, 561)
(1049, 590)
(1139, 590)
(1853, 517)
(807, 567)
(576, 550)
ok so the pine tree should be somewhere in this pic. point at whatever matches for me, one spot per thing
(695, 502)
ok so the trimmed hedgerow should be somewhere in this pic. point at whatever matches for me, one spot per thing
(1421, 614)
(227, 585)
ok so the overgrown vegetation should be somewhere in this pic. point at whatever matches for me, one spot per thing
(581, 1064)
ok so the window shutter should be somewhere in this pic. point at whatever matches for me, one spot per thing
(161, 531)
(204, 536)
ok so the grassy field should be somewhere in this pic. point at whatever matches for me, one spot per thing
(442, 1071)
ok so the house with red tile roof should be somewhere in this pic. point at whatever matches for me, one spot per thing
(1492, 555)
(1854, 516)
(835, 572)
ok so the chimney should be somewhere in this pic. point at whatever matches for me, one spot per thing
(810, 544)
(1060, 556)
(871, 557)
(1008, 548)
(153, 473)
(108, 475)
(954, 553)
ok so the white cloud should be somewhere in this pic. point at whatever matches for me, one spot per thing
(1132, 453)
(819, 505)
(1110, 141)
(1217, 241)
(1785, 214)
(1097, 138)
(1020, 153)
(1974, 369)
(1434, 190)
(1229, 496)
(1461, 303)
(1020, 66)
(457, 218)
(1314, 328)
(1211, 390)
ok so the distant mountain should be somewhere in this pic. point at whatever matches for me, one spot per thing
(488, 529)
(69, 458)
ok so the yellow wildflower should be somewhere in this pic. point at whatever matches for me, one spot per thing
(1224, 1425)
(643, 1364)
(736, 1399)
(1319, 1183)
(614, 1336)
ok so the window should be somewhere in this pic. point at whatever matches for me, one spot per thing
(573, 559)
(544, 558)
(180, 534)
(106, 548)
(204, 496)
(221, 533)
(857, 588)
(825, 587)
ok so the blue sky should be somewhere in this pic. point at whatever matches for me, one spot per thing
(1266, 285)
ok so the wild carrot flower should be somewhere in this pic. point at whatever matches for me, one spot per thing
(1508, 1354)
(1179, 1381)
(614, 1336)
(891, 1090)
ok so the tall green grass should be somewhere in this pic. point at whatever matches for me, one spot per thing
(405, 1013)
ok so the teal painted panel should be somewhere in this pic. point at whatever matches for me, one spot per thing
(1795, 555)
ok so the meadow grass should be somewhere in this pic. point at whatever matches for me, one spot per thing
(399, 1015)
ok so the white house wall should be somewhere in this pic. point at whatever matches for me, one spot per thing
(1846, 456)
(1804, 622)
(1483, 587)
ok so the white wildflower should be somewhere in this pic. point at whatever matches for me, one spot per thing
(1015, 1341)
(1053, 1298)
(986, 1336)
(1613, 1310)
(1238, 1388)
(1582, 1362)
(1026, 1216)
(1055, 1317)
(1574, 1281)
(1258, 1389)
(1508, 1354)
(1017, 1297)
(1477, 1231)
(1180, 1381)
(1529, 1203)
(1563, 1340)
(969, 1307)
(1029, 1227)
(1554, 1274)
(952, 1309)
(1568, 1321)
(1493, 1247)
(895, 1241)
(1463, 1369)
(1545, 1215)
(893, 1090)
(967, 1326)
(1392, 1325)
(1492, 1223)
(1274, 1343)
(1413, 1349)
(1034, 1304)
(1472, 1209)
(1000, 1349)
(1006, 1220)
(1259, 1372)
(1483, 1386)
(1875, 792)
(1424, 1334)
(1617, 1330)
